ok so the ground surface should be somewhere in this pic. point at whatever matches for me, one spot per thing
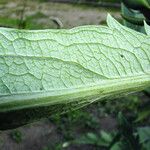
(40, 13)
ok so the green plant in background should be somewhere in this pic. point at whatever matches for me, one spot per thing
(128, 136)
(67, 123)
(16, 135)
(135, 12)
(46, 72)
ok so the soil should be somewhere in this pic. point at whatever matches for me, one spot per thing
(70, 15)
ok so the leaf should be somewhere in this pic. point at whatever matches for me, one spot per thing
(94, 139)
(144, 137)
(117, 146)
(89, 138)
(144, 134)
(45, 72)
(106, 136)
(143, 114)
(147, 28)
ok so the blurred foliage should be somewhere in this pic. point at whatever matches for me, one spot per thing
(144, 137)
(16, 135)
(112, 1)
(67, 123)
(128, 136)
(130, 133)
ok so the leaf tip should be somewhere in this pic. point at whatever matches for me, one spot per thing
(109, 19)
(147, 28)
(112, 23)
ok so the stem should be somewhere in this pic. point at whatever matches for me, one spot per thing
(21, 24)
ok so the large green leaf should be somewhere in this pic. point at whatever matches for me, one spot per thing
(48, 71)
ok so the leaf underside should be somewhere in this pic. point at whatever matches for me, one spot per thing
(147, 28)
(71, 67)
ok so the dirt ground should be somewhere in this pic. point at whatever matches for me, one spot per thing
(69, 15)
(44, 135)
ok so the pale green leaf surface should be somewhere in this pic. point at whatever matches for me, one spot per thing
(83, 64)
(147, 28)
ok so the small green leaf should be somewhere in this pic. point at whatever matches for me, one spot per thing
(143, 114)
(144, 136)
(92, 137)
(106, 136)
(117, 146)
